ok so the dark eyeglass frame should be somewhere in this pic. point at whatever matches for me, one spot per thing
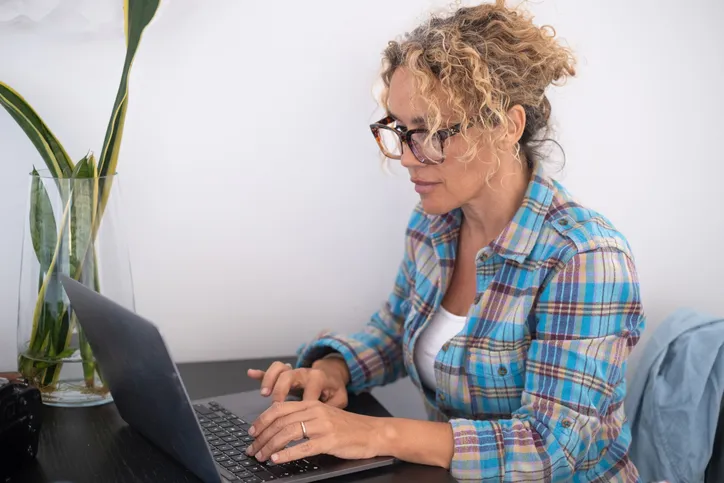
(405, 136)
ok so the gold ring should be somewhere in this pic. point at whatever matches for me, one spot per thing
(304, 430)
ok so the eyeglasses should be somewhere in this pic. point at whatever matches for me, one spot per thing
(390, 140)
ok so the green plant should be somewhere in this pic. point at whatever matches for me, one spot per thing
(84, 204)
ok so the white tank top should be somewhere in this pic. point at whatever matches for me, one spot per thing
(443, 327)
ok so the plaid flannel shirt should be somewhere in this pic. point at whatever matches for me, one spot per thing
(533, 386)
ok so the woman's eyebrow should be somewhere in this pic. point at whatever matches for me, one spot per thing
(417, 120)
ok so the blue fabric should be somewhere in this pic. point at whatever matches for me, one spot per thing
(674, 398)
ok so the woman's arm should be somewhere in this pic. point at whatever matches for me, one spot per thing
(422, 442)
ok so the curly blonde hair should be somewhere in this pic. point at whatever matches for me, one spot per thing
(481, 61)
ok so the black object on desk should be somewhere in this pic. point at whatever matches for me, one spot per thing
(20, 423)
(93, 445)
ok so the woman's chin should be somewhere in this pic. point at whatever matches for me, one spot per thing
(431, 206)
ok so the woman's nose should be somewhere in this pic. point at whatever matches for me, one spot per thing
(408, 159)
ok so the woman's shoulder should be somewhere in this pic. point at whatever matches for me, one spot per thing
(580, 228)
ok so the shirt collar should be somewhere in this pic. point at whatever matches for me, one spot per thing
(518, 238)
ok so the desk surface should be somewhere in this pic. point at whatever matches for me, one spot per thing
(93, 445)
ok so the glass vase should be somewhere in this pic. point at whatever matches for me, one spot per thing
(73, 227)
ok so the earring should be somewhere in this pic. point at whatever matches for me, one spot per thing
(517, 153)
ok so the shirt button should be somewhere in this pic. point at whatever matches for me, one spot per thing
(446, 346)
(563, 222)
(502, 371)
(567, 423)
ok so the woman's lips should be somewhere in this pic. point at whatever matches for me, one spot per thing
(424, 187)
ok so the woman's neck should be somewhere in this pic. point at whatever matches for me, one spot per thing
(486, 215)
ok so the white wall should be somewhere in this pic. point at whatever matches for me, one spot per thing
(256, 206)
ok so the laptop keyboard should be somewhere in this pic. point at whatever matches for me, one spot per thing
(227, 438)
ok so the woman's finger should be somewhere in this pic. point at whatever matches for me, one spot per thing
(307, 449)
(313, 387)
(276, 411)
(257, 374)
(338, 399)
(287, 381)
(289, 429)
(270, 378)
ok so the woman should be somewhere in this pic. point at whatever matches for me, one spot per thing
(514, 309)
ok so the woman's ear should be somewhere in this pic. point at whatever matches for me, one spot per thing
(516, 125)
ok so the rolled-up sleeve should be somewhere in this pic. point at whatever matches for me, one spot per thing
(588, 318)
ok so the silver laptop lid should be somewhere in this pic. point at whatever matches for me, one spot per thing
(144, 382)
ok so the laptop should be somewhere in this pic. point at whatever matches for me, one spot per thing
(207, 437)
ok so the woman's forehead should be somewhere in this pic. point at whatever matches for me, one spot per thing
(407, 105)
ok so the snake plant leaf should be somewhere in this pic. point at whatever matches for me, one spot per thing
(50, 149)
(43, 229)
(81, 212)
(138, 14)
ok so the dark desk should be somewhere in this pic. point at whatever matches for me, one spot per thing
(94, 445)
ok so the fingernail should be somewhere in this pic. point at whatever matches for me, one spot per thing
(258, 456)
(274, 457)
(265, 392)
(251, 431)
(249, 451)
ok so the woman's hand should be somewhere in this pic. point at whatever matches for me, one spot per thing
(329, 430)
(327, 381)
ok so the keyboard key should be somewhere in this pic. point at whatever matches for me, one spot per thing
(226, 424)
(228, 463)
(239, 434)
(306, 465)
(251, 479)
(215, 452)
(201, 409)
(266, 477)
(221, 458)
(211, 439)
(238, 444)
(255, 468)
(224, 447)
(229, 439)
(247, 439)
(233, 453)
(248, 463)
(227, 474)
(279, 471)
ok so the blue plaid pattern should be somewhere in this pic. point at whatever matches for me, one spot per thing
(533, 386)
